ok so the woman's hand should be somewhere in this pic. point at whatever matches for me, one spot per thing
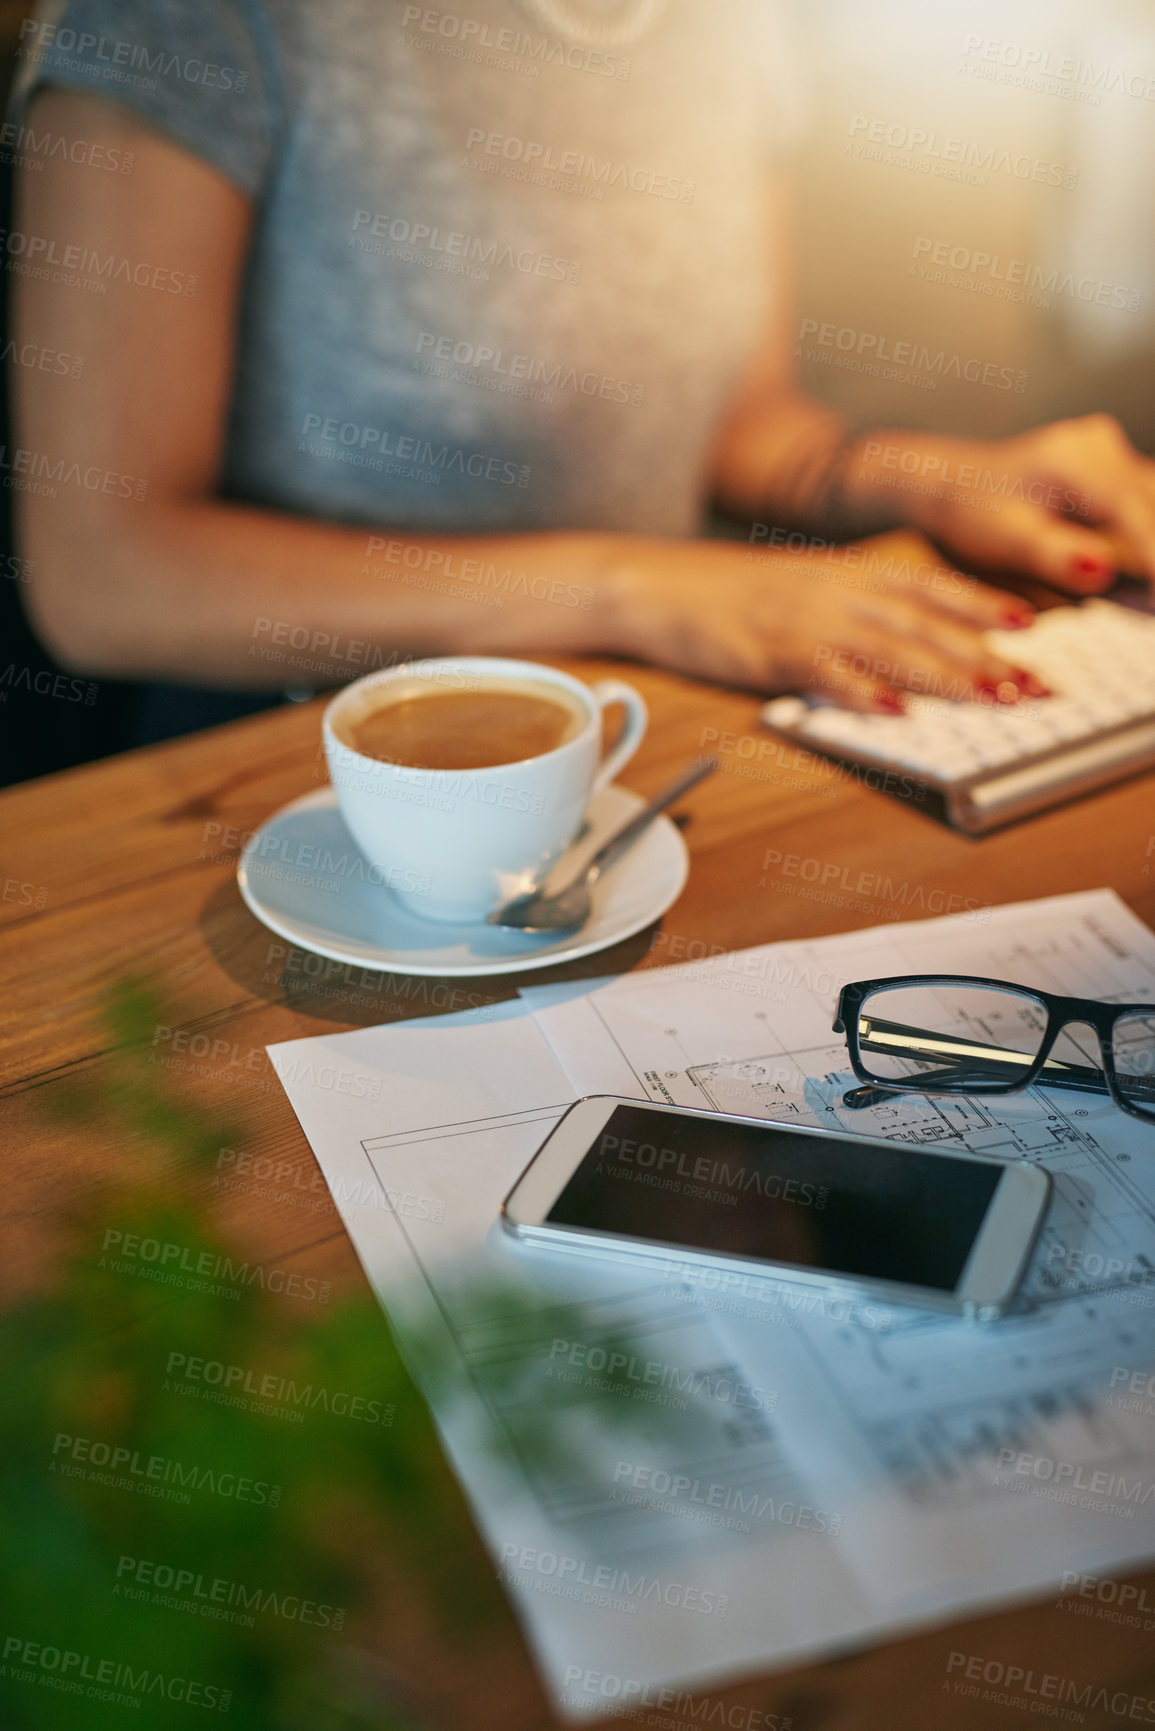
(1072, 502)
(839, 624)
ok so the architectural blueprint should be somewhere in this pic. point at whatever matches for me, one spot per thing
(684, 1474)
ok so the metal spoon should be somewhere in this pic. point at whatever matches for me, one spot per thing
(566, 910)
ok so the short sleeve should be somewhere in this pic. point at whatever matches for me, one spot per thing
(202, 71)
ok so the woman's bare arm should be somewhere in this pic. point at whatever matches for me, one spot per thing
(178, 582)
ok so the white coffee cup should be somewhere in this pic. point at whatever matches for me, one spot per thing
(454, 844)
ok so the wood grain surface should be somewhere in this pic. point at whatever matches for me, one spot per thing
(126, 870)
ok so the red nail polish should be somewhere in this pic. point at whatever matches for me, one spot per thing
(1089, 567)
(890, 700)
(1015, 621)
(1027, 683)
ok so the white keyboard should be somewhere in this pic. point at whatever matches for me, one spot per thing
(994, 763)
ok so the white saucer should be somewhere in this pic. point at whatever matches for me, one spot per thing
(305, 878)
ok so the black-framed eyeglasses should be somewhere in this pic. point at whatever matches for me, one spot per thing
(961, 1034)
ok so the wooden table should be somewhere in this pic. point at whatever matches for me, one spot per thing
(126, 868)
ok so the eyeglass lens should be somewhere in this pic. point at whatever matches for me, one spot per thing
(1133, 1042)
(939, 1032)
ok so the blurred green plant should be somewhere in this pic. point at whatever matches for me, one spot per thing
(206, 1493)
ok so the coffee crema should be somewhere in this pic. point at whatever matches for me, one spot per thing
(499, 721)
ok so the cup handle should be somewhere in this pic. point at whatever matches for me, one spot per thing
(608, 691)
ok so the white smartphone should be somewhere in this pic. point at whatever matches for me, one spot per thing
(903, 1224)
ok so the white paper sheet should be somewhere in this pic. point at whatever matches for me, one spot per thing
(782, 1473)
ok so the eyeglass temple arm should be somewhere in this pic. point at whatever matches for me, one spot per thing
(986, 1061)
(896, 1038)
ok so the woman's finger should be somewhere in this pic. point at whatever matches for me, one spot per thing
(979, 605)
(866, 693)
(1030, 539)
(929, 638)
(1134, 518)
(1095, 460)
(961, 670)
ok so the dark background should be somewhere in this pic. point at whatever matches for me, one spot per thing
(39, 732)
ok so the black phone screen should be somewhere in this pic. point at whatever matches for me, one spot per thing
(821, 1202)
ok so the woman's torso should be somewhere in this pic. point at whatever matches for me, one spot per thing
(502, 279)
